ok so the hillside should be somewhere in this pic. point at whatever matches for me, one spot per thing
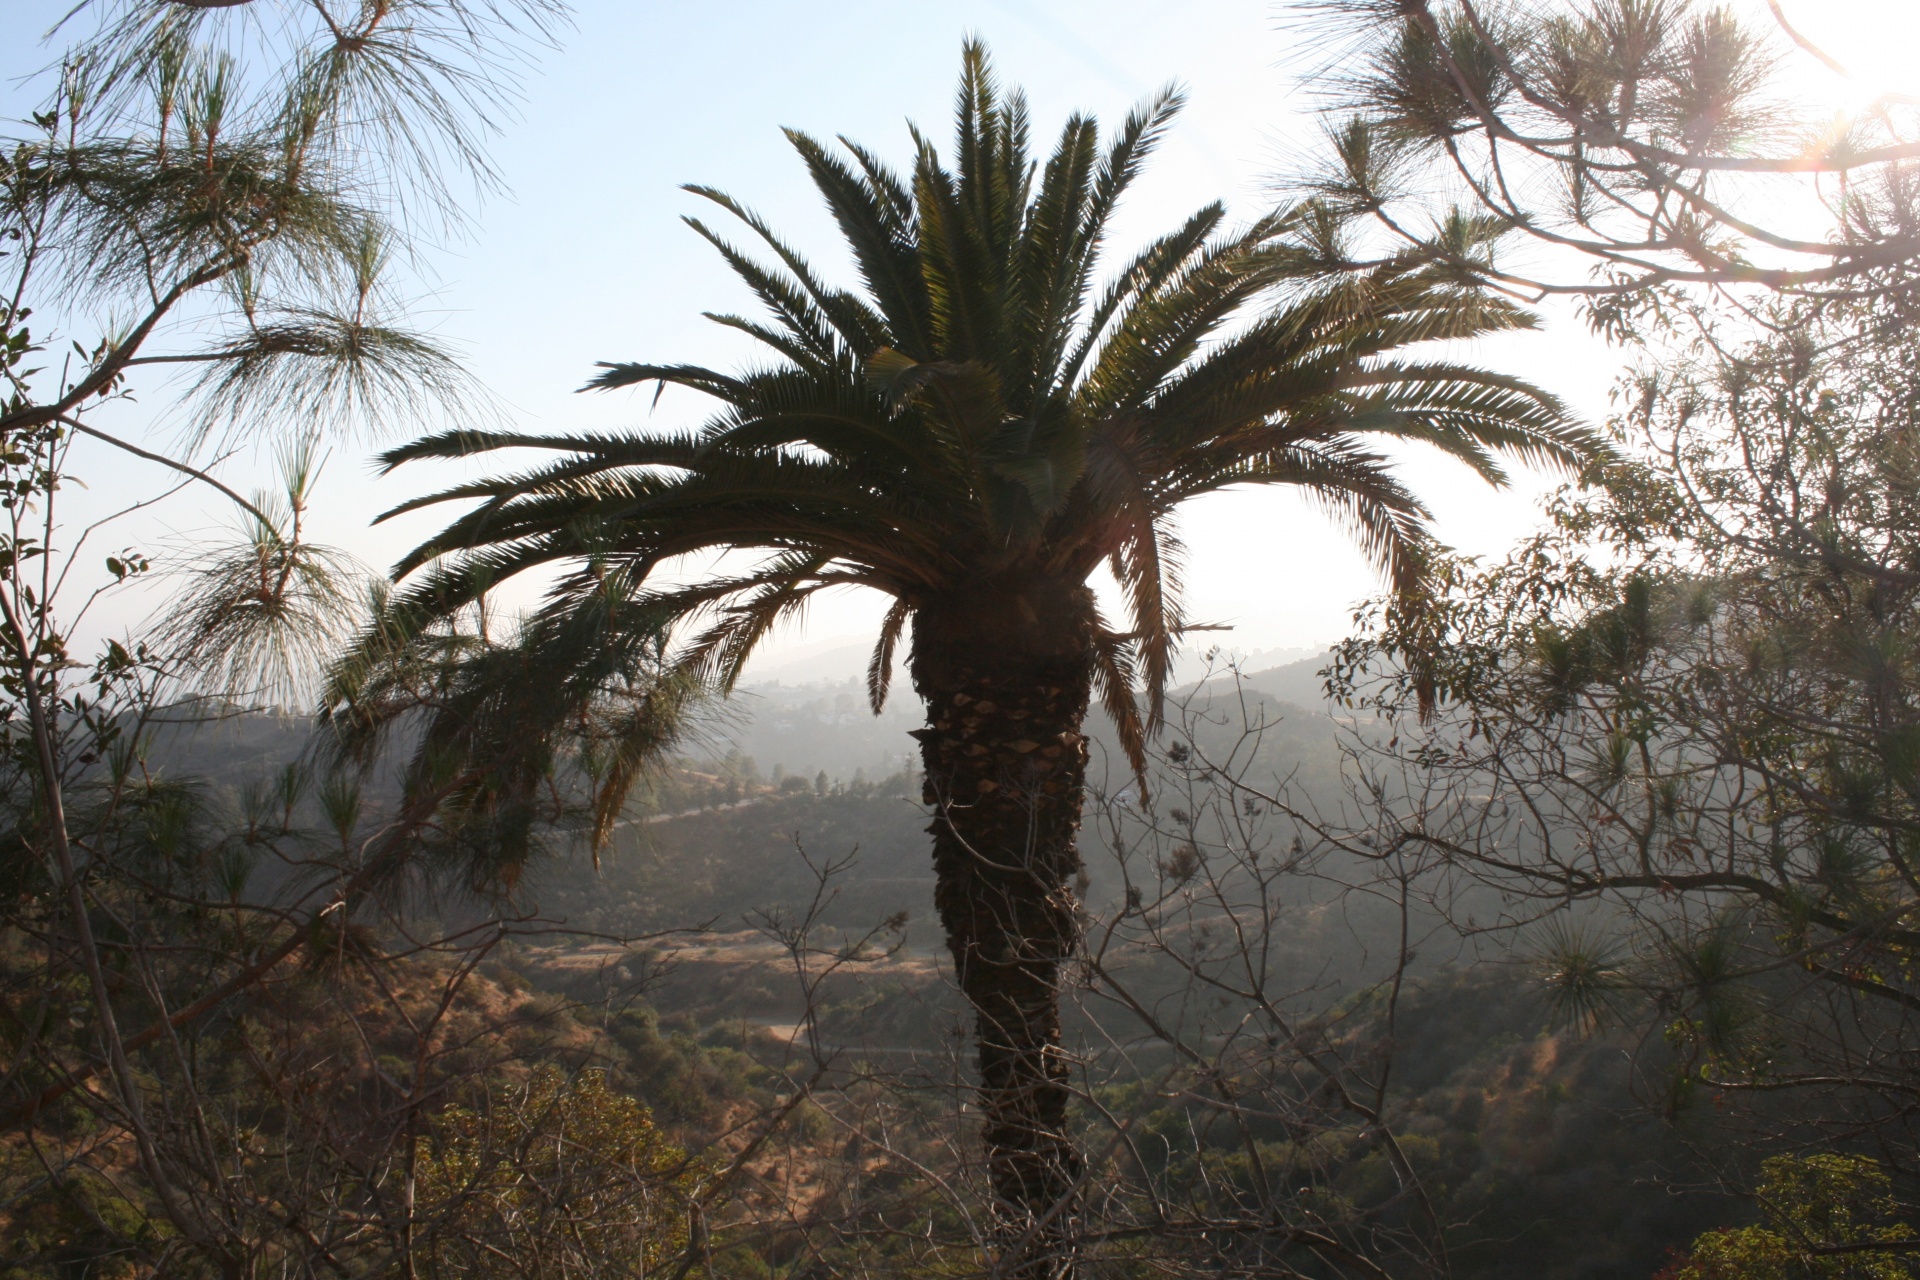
(1538, 1148)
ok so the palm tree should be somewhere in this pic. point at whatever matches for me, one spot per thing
(975, 433)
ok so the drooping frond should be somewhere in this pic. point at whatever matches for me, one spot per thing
(880, 666)
(717, 656)
(501, 729)
(1118, 682)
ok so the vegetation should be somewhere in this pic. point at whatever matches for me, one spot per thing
(1704, 729)
(558, 1178)
(1606, 149)
(1825, 1216)
(1574, 936)
(234, 194)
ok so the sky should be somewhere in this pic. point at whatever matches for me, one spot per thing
(585, 258)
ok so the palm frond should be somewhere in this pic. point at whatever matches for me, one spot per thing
(859, 326)
(1117, 680)
(880, 666)
(872, 213)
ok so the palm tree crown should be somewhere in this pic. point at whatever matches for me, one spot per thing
(980, 412)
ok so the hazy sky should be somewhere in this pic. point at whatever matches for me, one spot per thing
(586, 259)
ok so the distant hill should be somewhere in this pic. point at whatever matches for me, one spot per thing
(805, 728)
(1298, 683)
(822, 726)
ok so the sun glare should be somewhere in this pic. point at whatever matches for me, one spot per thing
(1875, 41)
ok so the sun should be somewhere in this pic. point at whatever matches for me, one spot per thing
(1873, 43)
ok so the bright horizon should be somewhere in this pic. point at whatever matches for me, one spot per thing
(585, 258)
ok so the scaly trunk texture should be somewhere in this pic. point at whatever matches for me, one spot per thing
(1005, 671)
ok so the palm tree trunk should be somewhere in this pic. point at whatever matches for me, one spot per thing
(1004, 670)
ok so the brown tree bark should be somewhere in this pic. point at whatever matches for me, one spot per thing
(1005, 671)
